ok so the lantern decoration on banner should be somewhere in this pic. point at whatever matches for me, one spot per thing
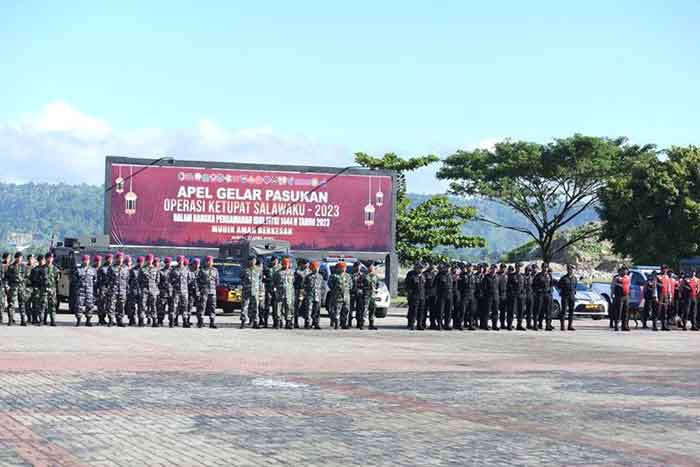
(119, 182)
(379, 197)
(369, 209)
(131, 197)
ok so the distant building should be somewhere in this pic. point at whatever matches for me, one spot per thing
(19, 240)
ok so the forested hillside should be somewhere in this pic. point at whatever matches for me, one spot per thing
(72, 210)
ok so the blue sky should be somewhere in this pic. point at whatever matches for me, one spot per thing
(310, 81)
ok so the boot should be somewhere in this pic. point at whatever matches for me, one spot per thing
(256, 325)
(562, 325)
(120, 323)
(571, 325)
(212, 325)
(140, 322)
(200, 322)
(317, 326)
(549, 326)
(242, 326)
(372, 327)
(110, 322)
(77, 321)
(307, 325)
(53, 321)
(87, 322)
(155, 323)
(186, 322)
(361, 324)
(23, 320)
(289, 325)
(296, 323)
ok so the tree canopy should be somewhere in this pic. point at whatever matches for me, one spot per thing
(548, 184)
(652, 210)
(433, 223)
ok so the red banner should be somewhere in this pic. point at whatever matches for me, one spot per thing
(195, 207)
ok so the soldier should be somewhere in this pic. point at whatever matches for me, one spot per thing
(489, 291)
(96, 265)
(356, 298)
(516, 298)
(542, 285)
(468, 284)
(481, 272)
(34, 288)
(457, 312)
(664, 287)
(340, 284)
(148, 291)
(133, 301)
(567, 292)
(621, 292)
(415, 290)
(689, 300)
(370, 286)
(118, 283)
(530, 313)
(430, 295)
(82, 288)
(3, 284)
(103, 287)
(299, 276)
(193, 288)
(651, 302)
(207, 282)
(16, 277)
(251, 279)
(313, 290)
(165, 293)
(180, 281)
(502, 279)
(270, 302)
(48, 290)
(285, 291)
(443, 282)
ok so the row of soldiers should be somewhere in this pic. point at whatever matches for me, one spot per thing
(469, 297)
(29, 289)
(292, 295)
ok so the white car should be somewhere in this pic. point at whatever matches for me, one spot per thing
(588, 302)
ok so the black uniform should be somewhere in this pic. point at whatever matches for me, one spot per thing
(502, 280)
(443, 282)
(457, 313)
(468, 285)
(542, 287)
(430, 296)
(517, 297)
(489, 291)
(415, 289)
(567, 291)
(529, 301)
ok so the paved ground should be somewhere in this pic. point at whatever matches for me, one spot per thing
(131, 397)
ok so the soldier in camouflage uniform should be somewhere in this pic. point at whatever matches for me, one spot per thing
(82, 288)
(148, 285)
(356, 297)
(133, 298)
(103, 287)
(180, 281)
(193, 289)
(165, 293)
(207, 282)
(118, 282)
(48, 290)
(299, 276)
(340, 285)
(283, 281)
(270, 295)
(3, 284)
(16, 277)
(370, 284)
(33, 289)
(251, 281)
(313, 293)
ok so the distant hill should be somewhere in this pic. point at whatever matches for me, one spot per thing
(44, 209)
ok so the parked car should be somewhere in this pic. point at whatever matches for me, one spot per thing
(589, 303)
(638, 277)
(229, 291)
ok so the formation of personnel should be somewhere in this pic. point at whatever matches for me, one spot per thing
(29, 289)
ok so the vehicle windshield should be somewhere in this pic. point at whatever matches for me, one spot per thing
(582, 287)
(229, 273)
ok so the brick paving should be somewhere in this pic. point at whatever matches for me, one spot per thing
(132, 397)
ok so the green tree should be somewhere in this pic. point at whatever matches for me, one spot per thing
(652, 213)
(549, 185)
(433, 223)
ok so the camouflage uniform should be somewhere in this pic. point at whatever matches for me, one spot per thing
(299, 305)
(193, 290)
(285, 293)
(16, 277)
(33, 291)
(313, 290)
(370, 284)
(48, 292)
(165, 295)
(148, 283)
(133, 299)
(102, 296)
(251, 280)
(180, 281)
(82, 297)
(207, 282)
(340, 284)
(3, 291)
(118, 282)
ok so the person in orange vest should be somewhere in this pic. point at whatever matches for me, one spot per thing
(664, 286)
(621, 296)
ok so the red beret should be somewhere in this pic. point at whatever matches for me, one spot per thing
(86, 257)
(150, 257)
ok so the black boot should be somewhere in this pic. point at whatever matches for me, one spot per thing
(200, 322)
(562, 325)
(571, 325)
(372, 327)
(212, 325)
(77, 321)
(88, 323)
